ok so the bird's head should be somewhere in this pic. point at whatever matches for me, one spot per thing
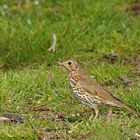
(70, 65)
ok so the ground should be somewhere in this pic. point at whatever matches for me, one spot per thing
(103, 36)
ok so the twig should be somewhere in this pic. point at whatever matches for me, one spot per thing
(4, 119)
(138, 135)
(53, 47)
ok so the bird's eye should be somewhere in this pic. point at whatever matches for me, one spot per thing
(69, 63)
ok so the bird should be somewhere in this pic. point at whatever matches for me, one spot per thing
(88, 91)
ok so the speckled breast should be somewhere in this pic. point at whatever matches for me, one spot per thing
(81, 95)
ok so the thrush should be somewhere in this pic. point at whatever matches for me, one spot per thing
(88, 91)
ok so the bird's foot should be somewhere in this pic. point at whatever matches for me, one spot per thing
(108, 115)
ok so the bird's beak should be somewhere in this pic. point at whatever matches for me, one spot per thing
(60, 63)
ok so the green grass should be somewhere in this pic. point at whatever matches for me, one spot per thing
(86, 30)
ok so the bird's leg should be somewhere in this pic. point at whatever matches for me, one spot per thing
(108, 115)
(96, 111)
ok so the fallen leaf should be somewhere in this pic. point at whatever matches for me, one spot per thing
(60, 116)
(39, 108)
(4, 67)
(57, 116)
(4, 120)
(135, 10)
(111, 58)
(14, 118)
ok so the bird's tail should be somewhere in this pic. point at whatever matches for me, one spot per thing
(130, 110)
(123, 106)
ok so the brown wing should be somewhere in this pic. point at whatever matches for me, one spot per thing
(94, 88)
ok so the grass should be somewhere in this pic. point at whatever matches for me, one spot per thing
(86, 31)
